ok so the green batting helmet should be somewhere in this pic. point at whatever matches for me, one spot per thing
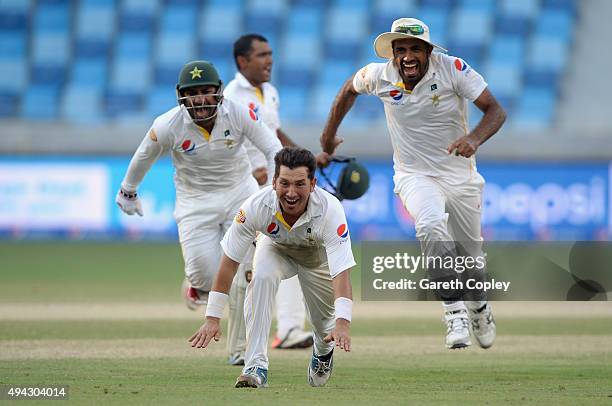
(198, 73)
(353, 180)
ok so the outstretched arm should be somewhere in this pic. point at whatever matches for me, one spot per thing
(148, 152)
(491, 122)
(341, 106)
(343, 304)
(216, 303)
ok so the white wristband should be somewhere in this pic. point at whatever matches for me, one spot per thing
(216, 304)
(344, 308)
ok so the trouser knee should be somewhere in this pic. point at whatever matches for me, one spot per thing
(200, 272)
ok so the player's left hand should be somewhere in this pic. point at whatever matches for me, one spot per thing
(340, 334)
(209, 330)
(465, 146)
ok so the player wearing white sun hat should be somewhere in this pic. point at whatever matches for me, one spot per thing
(425, 96)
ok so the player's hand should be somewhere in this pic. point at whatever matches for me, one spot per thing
(331, 145)
(465, 146)
(260, 175)
(209, 330)
(128, 202)
(323, 159)
(340, 334)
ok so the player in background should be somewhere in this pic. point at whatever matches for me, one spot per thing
(251, 86)
(204, 135)
(425, 99)
(303, 232)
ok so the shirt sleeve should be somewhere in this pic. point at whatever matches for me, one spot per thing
(153, 145)
(262, 137)
(242, 232)
(364, 80)
(467, 82)
(337, 239)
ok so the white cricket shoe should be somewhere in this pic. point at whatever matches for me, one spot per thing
(457, 333)
(483, 326)
(254, 377)
(320, 369)
(295, 338)
(193, 297)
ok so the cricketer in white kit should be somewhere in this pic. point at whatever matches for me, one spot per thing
(425, 97)
(305, 234)
(251, 87)
(204, 135)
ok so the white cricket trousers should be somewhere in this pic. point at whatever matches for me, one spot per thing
(290, 309)
(270, 266)
(202, 220)
(443, 212)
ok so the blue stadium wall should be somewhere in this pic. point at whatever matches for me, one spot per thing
(73, 198)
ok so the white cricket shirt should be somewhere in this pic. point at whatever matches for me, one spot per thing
(266, 105)
(320, 236)
(423, 123)
(203, 161)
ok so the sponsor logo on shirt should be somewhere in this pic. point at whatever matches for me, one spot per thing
(460, 65)
(253, 107)
(240, 217)
(273, 229)
(188, 147)
(342, 231)
(253, 115)
(396, 94)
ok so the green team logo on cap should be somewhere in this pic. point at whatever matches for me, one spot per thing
(414, 29)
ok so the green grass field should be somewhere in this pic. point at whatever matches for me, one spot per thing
(107, 320)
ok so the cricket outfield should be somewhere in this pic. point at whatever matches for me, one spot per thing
(107, 320)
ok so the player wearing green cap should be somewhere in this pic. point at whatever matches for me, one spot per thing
(204, 136)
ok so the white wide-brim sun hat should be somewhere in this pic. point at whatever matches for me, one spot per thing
(400, 29)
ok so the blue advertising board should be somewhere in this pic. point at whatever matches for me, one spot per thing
(74, 198)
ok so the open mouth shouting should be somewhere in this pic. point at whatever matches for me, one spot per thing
(410, 69)
(291, 203)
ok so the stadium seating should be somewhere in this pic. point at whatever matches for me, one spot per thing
(104, 60)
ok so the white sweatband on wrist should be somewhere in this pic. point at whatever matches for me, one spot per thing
(216, 304)
(344, 308)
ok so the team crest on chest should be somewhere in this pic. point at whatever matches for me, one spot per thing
(435, 100)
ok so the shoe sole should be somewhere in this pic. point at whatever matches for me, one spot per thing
(458, 346)
(247, 383)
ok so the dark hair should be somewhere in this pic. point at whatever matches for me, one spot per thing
(294, 157)
(242, 46)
